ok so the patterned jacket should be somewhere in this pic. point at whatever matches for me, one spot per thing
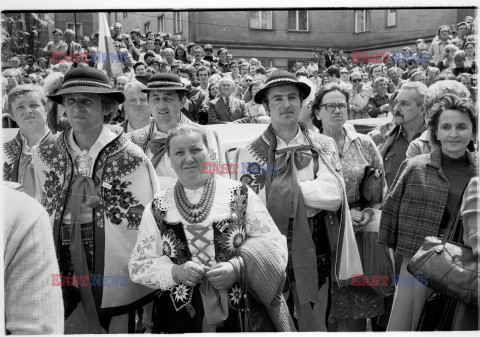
(125, 181)
(415, 203)
(12, 151)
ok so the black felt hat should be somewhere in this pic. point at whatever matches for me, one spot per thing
(164, 81)
(282, 77)
(86, 80)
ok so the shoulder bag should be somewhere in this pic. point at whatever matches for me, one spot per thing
(371, 187)
(449, 267)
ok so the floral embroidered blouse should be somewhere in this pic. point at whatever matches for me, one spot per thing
(359, 151)
(151, 261)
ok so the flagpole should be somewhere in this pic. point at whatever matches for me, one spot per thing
(75, 19)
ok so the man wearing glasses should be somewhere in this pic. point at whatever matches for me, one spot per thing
(359, 96)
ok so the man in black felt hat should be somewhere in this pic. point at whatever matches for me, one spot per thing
(166, 96)
(307, 199)
(94, 184)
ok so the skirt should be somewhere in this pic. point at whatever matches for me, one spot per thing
(188, 319)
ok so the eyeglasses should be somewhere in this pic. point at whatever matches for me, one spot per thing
(356, 80)
(248, 80)
(343, 73)
(330, 107)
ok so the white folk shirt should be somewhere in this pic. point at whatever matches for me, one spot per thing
(164, 169)
(321, 193)
(105, 137)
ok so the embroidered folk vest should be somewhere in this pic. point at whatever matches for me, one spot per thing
(228, 235)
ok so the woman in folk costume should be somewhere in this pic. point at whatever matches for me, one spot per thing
(190, 240)
(166, 95)
(94, 184)
(297, 174)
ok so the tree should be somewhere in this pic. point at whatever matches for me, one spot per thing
(20, 32)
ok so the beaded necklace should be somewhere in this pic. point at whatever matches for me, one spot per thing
(195, 213)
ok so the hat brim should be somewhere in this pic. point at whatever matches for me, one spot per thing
(116, 95)
(302, 87)
(164, 88)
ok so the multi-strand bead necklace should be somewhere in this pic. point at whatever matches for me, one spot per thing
(195, 213)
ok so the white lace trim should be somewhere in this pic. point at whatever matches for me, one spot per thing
(224, 194)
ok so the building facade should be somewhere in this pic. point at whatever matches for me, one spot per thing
(278, 38)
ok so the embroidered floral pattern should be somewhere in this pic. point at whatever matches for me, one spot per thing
(8, 171)
(51, 191)
(181, 296)
(233, 230)
(54, 154)
(118, 202)
(139, 137)
(173, 247)
(122, 164)
(234, 294)
(11, 152)
(255, 178)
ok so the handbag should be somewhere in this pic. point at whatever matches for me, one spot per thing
(449, 267)
(252, 315)
(371, 187)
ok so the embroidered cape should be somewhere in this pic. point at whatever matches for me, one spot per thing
(125, 181)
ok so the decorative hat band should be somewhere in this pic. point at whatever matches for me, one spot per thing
(151, 84)
(71, 83)
(284, 79)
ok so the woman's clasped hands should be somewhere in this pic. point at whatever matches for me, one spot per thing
(221, 275)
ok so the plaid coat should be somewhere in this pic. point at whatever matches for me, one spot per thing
(415, 203)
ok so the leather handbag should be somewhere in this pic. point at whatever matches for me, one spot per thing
(450, 268)
(371, 187)
(252, 315)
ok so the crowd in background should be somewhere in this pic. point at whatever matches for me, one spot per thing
(371, 78)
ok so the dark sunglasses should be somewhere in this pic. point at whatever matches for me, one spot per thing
(356, 80)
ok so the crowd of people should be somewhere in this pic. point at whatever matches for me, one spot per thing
(145, 239)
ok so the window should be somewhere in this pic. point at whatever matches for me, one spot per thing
(261, 19)
(266, 63)
(391, 17)
(146, 27)
(160, 24)
(177, 22)
(78, 32)
(125, 14)
(291, 64)
(298, 20)
(361, 21)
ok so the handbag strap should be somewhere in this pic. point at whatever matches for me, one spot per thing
(452, 224)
